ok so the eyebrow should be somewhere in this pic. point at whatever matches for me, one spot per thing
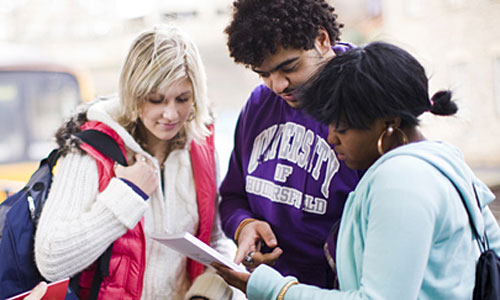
(185, 93)
(281, 65)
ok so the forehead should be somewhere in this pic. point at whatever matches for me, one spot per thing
(280, 56)
(177, 87)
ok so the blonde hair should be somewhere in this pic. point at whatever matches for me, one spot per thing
(157, 59)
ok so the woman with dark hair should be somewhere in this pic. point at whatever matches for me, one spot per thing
(404, 232)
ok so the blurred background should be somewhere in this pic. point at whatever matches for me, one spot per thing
(56, 53)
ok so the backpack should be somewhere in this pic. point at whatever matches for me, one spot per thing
(487, 284)
(19, 214)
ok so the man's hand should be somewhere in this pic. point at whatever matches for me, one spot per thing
(142, 173)
(249, 244)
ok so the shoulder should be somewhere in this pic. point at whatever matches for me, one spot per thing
(64, 135)
(261, 107)
(259, 96)
(406, 183)
(407, 173)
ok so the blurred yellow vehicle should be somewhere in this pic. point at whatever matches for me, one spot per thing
(35, 97)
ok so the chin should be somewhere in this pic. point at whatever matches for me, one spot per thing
(353, 166)
(293, 104)
(166, 136)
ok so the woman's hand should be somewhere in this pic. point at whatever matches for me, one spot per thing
(142, 173)
(237, 279)
(37, 292)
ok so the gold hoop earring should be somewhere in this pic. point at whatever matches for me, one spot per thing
(390, 130)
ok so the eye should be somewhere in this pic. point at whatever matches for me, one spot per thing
(155, 100)
(263, 75)
(182, 99)
(341, 130)
(289, 69)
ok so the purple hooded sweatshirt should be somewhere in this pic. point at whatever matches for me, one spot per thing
(283, 171)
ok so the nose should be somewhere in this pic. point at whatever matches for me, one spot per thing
(332, 136)
(170, 111)
(278, 83)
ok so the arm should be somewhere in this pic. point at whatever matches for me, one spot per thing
(234, 206)
(235, 209)
(392, 269)
(398, 220)
(78, 223)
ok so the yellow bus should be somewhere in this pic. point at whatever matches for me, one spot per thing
(35, 97)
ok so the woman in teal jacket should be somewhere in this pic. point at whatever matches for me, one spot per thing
(404, 232)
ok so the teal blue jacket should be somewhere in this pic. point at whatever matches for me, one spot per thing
(404, 232)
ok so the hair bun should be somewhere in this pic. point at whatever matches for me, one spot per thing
(442, 104)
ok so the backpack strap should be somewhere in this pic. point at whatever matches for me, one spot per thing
(103, 143)
(52, 158)
(482, 242)
(108, 147)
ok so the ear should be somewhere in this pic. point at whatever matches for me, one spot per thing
(395, 122)
(391, 123)
(322, 42)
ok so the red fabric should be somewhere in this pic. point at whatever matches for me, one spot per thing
(203, 162)
(104, 164)
(128, 258)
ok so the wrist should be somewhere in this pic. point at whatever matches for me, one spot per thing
(285, 288)
(240, 227)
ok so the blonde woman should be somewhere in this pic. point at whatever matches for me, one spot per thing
(162, 120)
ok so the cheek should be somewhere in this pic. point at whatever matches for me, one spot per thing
(266, 81)
(149, 112)
(184, 110)
(354, 148)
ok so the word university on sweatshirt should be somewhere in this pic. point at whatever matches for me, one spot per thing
(291, 142)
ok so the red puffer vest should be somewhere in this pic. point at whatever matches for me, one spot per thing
(128, 258)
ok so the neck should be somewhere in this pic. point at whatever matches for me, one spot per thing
(154, 146)
(158, 150)
(414, 135)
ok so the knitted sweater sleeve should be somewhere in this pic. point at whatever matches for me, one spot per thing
(78, 223)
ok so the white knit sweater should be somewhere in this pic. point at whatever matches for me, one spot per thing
(78, 223)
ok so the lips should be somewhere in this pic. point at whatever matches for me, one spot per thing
(168, 126)
(340, 156)
(288, 97)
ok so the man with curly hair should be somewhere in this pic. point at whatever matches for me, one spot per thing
(285, 187)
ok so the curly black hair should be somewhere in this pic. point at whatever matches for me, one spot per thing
(258, 27)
